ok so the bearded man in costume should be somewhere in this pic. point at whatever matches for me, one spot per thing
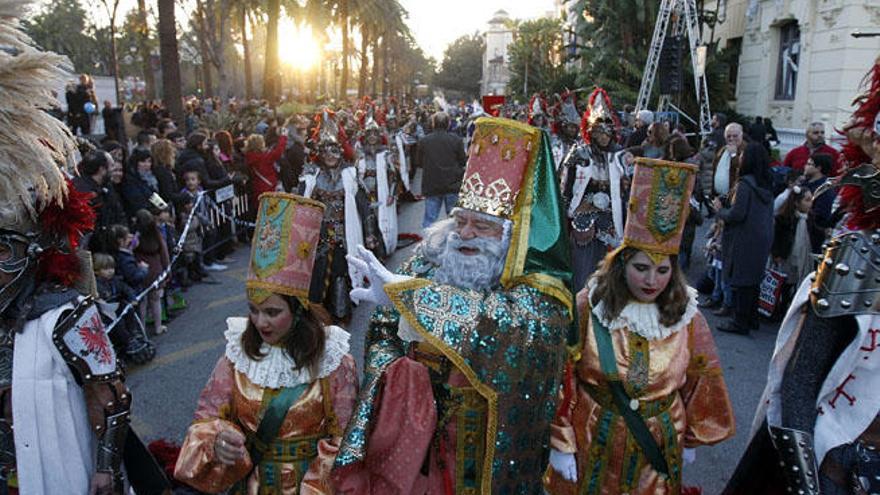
(465, 352)
(817, 428)
(594, 188)
(64, 405)
(377, 172)
(333, 181)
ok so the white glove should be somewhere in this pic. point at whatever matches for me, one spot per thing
(366, 265)
(564, 464)
(688, 456)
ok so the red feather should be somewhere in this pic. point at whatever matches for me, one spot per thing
(64, 224)
(853, 155)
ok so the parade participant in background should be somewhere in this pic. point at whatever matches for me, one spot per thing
(538, 112)
(64, 405)
(398, 143)
(648, 385)
(377, 173)
(465, 352)
(333, 181)
(817, 427)
(594, 189)
(568, 134)
(270, 417)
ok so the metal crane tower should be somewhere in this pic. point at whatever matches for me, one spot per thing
(683, 14)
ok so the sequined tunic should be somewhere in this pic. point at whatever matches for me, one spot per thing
(505, 350)
(299, 460)
(682, 397)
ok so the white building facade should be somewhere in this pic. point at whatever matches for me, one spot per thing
(799, 62)
(496, 70)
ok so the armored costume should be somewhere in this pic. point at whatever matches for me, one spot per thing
(59, 376)
(566, 135)
(593, 190)
(641, 391)
(460, 383)
(377, 172)
(346, 205)
(817, 427)
(292, 418)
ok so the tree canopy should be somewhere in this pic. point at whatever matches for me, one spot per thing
(462, 66)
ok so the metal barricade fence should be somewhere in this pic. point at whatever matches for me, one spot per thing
(227, 215)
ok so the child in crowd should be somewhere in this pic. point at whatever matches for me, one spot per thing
(791, 237)
(191, 269)
(113, 296)
(192, 188)
(172, 300)
(152, 251)
(133, 272)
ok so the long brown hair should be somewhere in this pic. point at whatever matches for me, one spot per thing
(612, 290)
(304, 343)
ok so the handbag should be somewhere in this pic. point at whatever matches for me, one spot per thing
(770, 291)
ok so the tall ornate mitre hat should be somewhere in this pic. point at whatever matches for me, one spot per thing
(510, 175)
(283, 249)
(659, 204)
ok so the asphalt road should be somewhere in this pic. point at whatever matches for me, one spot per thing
(166, 390)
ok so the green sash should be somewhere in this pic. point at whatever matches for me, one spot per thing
(273, 417)
(635, 423)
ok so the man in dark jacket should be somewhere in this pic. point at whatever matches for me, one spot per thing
(442, 157)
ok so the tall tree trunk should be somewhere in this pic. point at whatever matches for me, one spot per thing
(248, 76)
(374, 79)
(143, 37)
(114, 55)
(385, 72)
(216, 33)
(362, 78)
(271, 83)
(170, 61)
(203, 50)
(346, 49)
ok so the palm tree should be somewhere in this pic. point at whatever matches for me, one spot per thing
(246, 49)
(170, 60)
(271, 77)
(143, 36)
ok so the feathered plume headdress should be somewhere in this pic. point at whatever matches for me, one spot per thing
(568, 111)
(600, 114)
(37, 197)
(860, 160)
(537, 106)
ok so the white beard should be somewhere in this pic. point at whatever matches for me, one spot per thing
(481, 271)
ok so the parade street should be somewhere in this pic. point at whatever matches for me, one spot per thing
(166, 390)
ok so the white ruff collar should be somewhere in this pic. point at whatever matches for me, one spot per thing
(276, 369)
(644, 318)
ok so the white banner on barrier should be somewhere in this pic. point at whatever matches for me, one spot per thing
(224, 193)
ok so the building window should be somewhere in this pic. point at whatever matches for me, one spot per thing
(789, 59)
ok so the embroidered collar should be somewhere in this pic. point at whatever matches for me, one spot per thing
(644, 318)
(276, 369)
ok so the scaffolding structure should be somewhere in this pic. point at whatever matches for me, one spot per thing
(683, 16)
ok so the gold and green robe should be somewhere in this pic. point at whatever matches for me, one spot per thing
(492, 361)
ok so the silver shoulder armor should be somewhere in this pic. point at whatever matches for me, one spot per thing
(847, 281)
